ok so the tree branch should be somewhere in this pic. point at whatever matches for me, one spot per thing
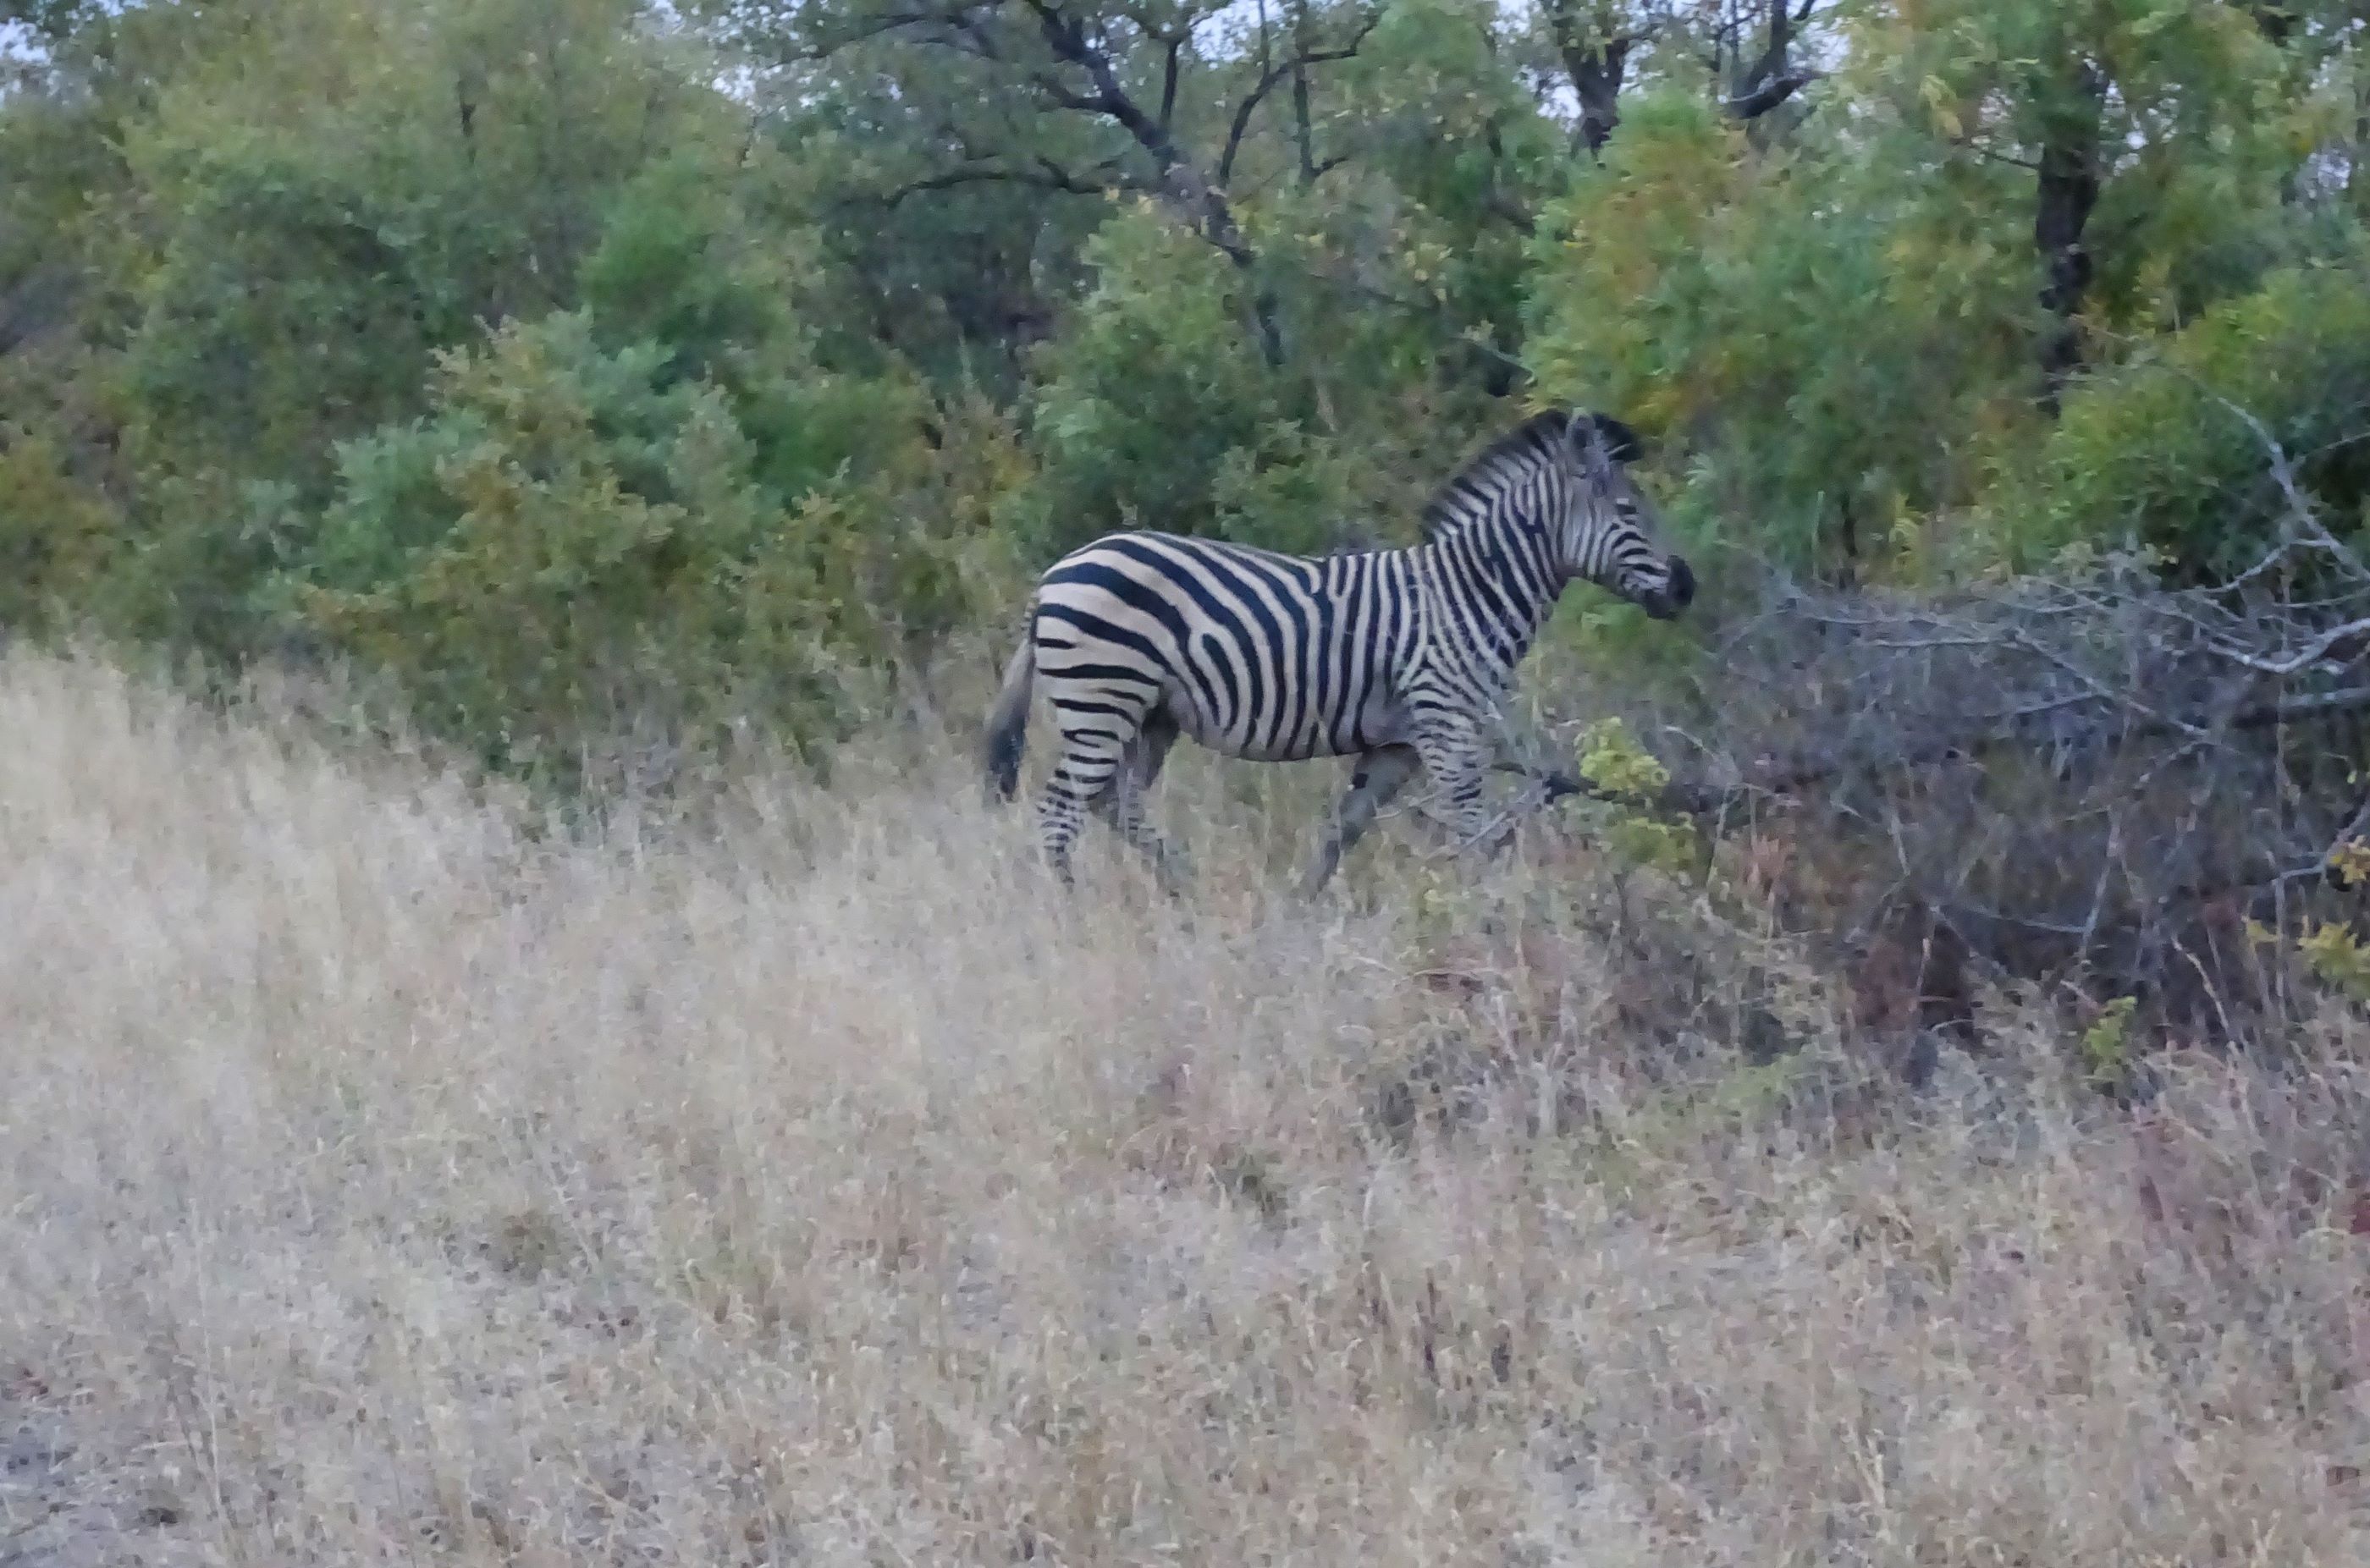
(877, 26)
(1084, 78)
(1175, 47)
(2065, 192)
(1046, 176)
(1768, 92)
(1274, 76)
(1699, 798)
(1774, 77)
(2319, 649)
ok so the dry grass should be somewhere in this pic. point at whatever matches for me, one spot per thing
(382, 1182)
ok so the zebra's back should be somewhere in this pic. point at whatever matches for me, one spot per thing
(1252, 653)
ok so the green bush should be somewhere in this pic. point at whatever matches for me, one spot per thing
(683, 263)
(57, 535)
(2155, 452)
(1156, 411)
(286, 306)
(1814, 341)
(575, 536)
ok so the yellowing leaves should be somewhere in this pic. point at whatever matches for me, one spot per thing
(1942, 104)
(2338, 958)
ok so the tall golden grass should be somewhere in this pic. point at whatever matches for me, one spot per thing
(385, 1178)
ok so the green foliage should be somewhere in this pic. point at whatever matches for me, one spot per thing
(2195, 127)
(52, 20)
(275, 312)
(1155, 410)
(682, 262)
(2107, 1045)
(645, 492)
(327, 193)
(490, 341)
(576, 534)
(1465, 155)
(559, 537)
(1612, 761)
(2156, 450)
(57, 535)
(1826, 349)
(694, 261)
(2338, 958)
(1842, 330)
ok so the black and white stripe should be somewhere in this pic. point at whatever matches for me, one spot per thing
(1398, 658)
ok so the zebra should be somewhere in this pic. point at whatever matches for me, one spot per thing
(1399, 659)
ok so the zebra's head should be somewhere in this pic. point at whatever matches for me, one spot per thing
(1610, 534)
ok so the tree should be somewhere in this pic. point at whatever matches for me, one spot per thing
(1123, 69)
(1746, 50)
(2124, 115)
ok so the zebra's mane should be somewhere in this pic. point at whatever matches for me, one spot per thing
(1467, 492)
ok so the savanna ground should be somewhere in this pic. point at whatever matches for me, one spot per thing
(388, 1177)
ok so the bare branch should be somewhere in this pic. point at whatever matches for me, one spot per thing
(1274, 76)
(1768, 92)
(2318, 651)
(2079, 667)
(1082, 77)
(1046, 174)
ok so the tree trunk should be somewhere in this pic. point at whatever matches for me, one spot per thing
(1596, 63)
(1304, 134)
(2064, 194)
(1774, 78)
(2274, 18)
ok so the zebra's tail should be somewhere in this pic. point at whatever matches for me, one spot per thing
(1008, 723)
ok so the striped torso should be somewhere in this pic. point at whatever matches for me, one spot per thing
(1276, 657)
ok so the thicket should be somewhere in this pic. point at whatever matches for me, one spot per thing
(586, 365)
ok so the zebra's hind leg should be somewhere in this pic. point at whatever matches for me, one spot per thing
(1379, 775)
(1090, 760)
(1122, 804)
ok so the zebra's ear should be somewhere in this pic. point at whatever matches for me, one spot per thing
(1618, 442)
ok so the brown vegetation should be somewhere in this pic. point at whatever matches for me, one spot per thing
(388, 1177)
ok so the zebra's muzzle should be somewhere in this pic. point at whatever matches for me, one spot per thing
(1678, 591)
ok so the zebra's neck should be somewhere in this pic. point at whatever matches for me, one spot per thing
(1495, 582)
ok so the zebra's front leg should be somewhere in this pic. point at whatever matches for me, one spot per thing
(1458, 757)
(1379, 775)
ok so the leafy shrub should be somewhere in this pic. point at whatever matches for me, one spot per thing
(575, 534)
(1156, 410)
(2156, 452)
(286, 306)
(318, 196)
(679, 264)
(685, 265)
(1807, 338)
(57, 535)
